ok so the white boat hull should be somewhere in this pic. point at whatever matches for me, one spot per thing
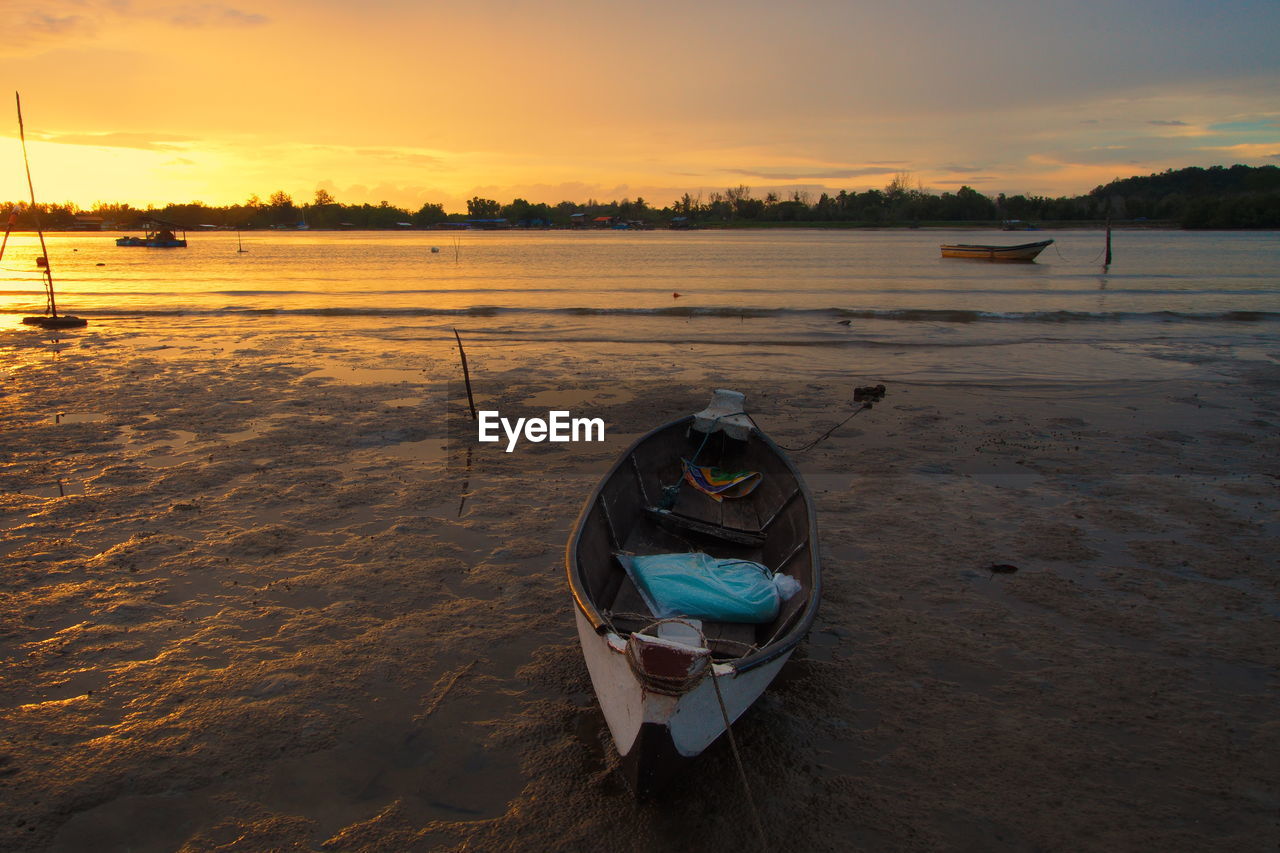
(654, 731)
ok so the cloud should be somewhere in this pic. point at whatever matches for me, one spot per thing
(1168, 123)
(1242, 150)
(1250, 126)
(30, 29)
(33, 27)
(214, 15)
(785, 174)
(143, 141)
(403, 156)
(974, 179)
(1098, 155)
(43, 22)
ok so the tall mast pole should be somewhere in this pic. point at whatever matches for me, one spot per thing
(35, 214)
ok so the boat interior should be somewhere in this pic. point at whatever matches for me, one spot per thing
(771, 526)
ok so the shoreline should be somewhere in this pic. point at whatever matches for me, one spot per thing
(961, 225)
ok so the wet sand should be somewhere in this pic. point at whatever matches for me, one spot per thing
(256, 596)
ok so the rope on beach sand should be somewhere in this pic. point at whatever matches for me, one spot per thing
(742, 772)
(826, 434)
(687, 684)
(439, 697)
(867, 395)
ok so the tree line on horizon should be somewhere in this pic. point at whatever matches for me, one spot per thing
(1217, 197)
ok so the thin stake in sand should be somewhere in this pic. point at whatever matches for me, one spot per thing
(466, 375)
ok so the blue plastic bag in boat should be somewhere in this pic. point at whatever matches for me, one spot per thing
(703, 587)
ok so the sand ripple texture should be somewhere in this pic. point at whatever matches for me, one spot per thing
(257, 597)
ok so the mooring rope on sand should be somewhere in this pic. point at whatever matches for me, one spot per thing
(742, 772)
(684, 685)
(439, 697)
(867, 396)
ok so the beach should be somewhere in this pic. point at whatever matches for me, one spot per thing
(263, 590)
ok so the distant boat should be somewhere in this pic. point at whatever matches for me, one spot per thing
(158, 235)
(51, 319)
(670, 686)
(1023, 252)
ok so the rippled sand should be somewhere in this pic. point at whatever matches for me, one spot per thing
(256, 595)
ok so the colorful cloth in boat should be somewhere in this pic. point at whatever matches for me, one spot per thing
(700, 586)
(718, 483)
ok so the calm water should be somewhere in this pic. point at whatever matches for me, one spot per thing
(1179, 297)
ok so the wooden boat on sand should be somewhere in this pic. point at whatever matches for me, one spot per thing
(713, 492)
(1023, 252)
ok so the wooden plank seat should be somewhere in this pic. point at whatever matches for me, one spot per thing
(707, 528)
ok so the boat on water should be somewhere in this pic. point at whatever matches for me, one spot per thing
(668, 566)
(1022, 252)
(158, 234)
(51, 319)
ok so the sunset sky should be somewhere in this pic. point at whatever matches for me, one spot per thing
(150, 101)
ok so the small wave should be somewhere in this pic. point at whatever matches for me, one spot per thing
(947, 315)
(901, 315)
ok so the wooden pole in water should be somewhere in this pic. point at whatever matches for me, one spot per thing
(1107, 259)
(13, 219)
(43, 261)
(466, 375)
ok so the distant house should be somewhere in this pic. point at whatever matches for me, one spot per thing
(604, 221)
(578, 220)
(488, 224)
(87, 223)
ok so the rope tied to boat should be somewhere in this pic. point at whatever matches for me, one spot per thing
(680, 686)
(1094, 260)
(868, 396)
(674, 686)
(610, 615)
(670, 494)
(742, 771)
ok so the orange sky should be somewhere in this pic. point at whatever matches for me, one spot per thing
(411, 101)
